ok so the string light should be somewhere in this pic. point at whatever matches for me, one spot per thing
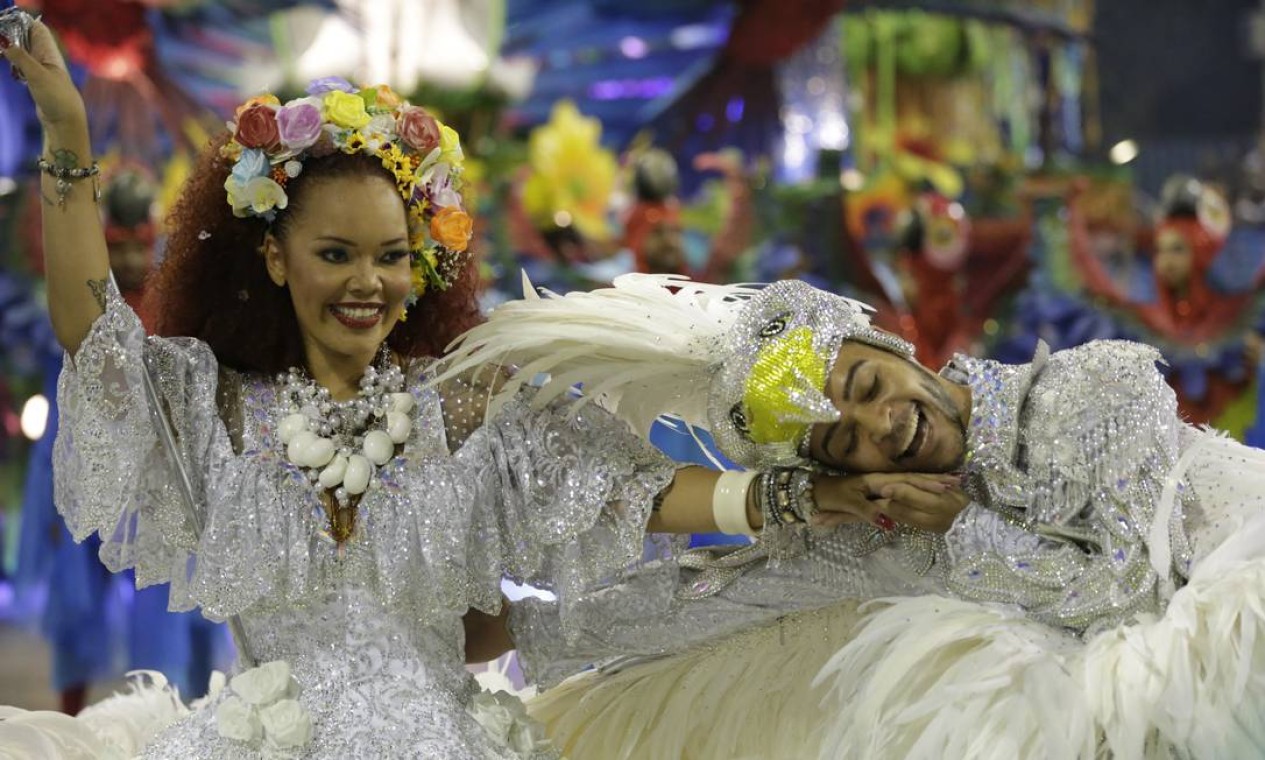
(34, 417)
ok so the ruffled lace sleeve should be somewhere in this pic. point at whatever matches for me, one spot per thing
(565, 495)
(111, 475)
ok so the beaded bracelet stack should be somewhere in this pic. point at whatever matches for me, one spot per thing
(786, 496)
(65, 176)
(783, 496)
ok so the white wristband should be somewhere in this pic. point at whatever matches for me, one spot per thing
(729, 502)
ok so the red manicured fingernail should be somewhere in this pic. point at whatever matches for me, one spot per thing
(885, 522)
(4, 42)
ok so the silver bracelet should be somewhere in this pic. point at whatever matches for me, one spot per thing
(803, 499)
(786, 496)
(65, 176)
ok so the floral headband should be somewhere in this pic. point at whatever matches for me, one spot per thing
(271, 141)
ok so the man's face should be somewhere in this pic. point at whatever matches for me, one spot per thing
(895, 416)
(1173, 259)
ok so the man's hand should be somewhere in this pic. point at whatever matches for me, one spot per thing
(929, 502)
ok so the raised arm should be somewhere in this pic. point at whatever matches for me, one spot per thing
(76, 260)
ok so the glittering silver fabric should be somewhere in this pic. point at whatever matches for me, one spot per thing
(1068, 461)
(373, 632)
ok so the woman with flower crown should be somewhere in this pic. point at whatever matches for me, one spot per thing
(284, 457)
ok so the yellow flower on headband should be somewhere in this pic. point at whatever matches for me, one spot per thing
(783, 370)
(345, 109)
(449, 143)
(356, 142)
(418, 276)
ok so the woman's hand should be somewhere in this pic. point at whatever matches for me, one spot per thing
(56, 98)
(929, 502)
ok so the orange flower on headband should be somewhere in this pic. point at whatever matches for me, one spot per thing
(387, 97)
(267, 99)
(452, 228)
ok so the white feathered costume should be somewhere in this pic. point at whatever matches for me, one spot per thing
(1100, 597)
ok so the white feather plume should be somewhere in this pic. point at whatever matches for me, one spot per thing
(930, 677)
(131, 718)
(743, 697)
(117, 728)
(644, 347)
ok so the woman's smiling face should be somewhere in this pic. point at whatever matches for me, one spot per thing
(344, 255)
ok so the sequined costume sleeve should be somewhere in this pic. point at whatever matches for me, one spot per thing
(564, 495)
(671, 606)
(110, 474)
(1068, 467)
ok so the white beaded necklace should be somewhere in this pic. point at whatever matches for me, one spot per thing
(341, 444)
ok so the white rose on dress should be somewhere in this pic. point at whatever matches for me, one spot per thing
(237, 720)
(528, 736)
(496, 717)
(265, 684)
(286, 724)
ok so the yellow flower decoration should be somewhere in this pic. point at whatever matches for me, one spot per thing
(264, 194)
(571, 172)
(355, 143)
(449, 144)
(424, 270)
(394, 161)
(784, 368)
(418, 227)
(345, 109)
(417, 215)
(231, 151)
(419, 281)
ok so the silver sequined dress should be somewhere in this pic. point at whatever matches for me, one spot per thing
(1102, 593)
(374, 637)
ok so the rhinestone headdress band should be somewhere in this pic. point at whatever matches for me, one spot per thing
(770, 388)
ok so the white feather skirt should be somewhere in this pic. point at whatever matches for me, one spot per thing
(932, 677)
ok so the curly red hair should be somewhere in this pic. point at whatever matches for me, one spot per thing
(213, 285)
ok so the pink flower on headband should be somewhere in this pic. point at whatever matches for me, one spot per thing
(300, 125)
(417, 129)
